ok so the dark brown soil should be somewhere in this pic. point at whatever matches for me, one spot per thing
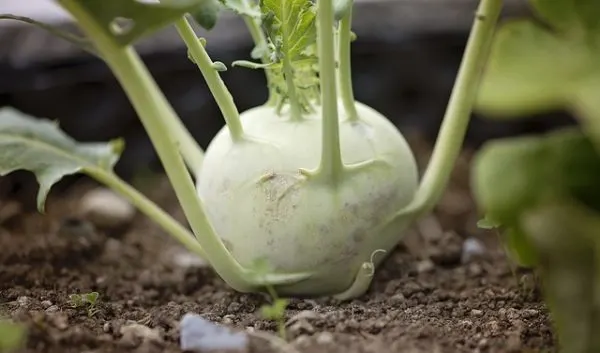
(424, 299)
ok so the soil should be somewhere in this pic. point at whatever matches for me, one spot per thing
(424, 299)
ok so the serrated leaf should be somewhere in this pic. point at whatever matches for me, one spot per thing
(242, 7)
(138, 19)
(290, 25)
(207, 15)
(39, 146)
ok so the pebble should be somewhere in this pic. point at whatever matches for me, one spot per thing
(471, 248)
(185, 259)
(476, 313)
(324, 338)
(46, 304)
(425, 266)
(106, 209)
(199, 334)
(52, 309)
(136, 334)
(23, 301)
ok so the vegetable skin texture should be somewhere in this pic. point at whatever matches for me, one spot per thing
(264, 208)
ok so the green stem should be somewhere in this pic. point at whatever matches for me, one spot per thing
(295, 110)
(153, 109)
(149, 208)
(458, 112)
(212, 78)
(345, 69)
(331, 166)
(261, 41)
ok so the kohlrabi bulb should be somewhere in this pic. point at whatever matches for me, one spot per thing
(263, 207)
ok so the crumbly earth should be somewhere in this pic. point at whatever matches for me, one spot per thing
(424, 299)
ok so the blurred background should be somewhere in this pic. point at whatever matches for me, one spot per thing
(405, 61)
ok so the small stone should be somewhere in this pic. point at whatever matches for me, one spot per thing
(529, 313)
(52, 309)
(46, 304)
(106, 209)
(471, 248)
(59, 320)
(398, 298)
(199, 334)
(425, 266)
(324, 338)
(185, 259)
(23, 301)
(476, 313)
(106, 327)
(136, 334)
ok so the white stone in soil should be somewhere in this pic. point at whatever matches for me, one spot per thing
(200, 335)
(104, 208)
(472, 248)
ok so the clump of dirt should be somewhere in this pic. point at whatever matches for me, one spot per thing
(425, 298)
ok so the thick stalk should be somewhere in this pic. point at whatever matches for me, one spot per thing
(345, 69)
(458, 112)
(295, 110)
(259, 39)
(213, 79)
(331, 166)
(149, 208)
(153, 110)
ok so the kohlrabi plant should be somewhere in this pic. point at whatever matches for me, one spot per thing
(312, 182)
(543, 191)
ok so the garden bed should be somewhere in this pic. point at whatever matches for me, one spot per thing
(426, 297)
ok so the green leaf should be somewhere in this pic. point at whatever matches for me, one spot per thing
(39, 146)
(512, 175)
(138, 19)
(520, 248)
(290, 25)
(569, 15)
(242, 7)
(207, 15)
(534, 69)
(12, 336)
(565, 234)
(91, 297)
(531, 70)
(274, 311)
(487, 223)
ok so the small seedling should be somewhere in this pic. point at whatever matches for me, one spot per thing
(88, 300)
(276, 310)
(313, 181)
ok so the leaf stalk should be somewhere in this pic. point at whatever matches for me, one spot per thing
(345, 67)
(213, 79)
(153, 110)
(331, 166)
(458, 112)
